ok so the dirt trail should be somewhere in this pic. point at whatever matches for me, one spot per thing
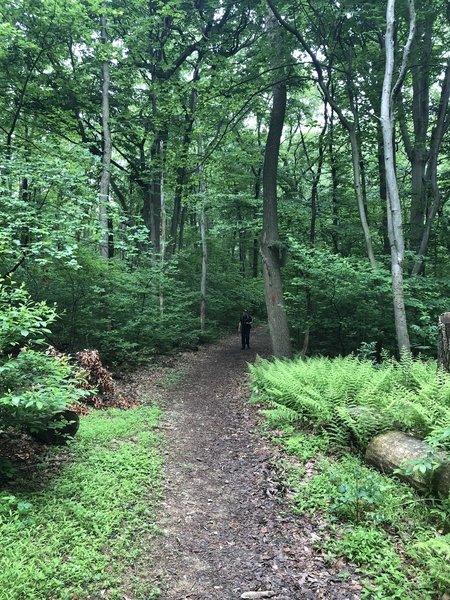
(226, 529)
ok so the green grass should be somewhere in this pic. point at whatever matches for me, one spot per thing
(77, 532)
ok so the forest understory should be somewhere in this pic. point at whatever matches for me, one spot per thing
(190, 491)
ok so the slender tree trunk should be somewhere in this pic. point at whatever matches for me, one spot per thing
(182, 170)
(421, 111)
(441, 126)
(255, 250)
(334, 187)
(204, 256)
(394, 214)
(181, 230)
(270, 242)
(353, 99)
(242, 241)
(316, 177)
(151, 209)
(155, 211)
(107, 152)
(110, 238)
(348, 125)
(163, 230)
(356, 162)
(306, 337)
(176, 213)
(382, 186)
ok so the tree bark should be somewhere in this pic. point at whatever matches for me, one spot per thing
(182, 176)
(107, 152)
(444, 342)
(163, 230)
(393, 449)
(382, 186)
(356, 162)
(431, 181)
(421, 112)
(255, 249)
(270, 242)
(334, 187)
(204, 258)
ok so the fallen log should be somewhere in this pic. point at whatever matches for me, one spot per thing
(392, 450)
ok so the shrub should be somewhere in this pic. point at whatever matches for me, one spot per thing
(34, 386)
(20, 317)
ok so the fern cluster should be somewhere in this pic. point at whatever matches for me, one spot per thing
(353, 397)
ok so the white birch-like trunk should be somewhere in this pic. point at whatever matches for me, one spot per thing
(107, 151)
(394, 214)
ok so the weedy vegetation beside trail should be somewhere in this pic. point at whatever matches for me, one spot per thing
(399, 540)
(69, 533)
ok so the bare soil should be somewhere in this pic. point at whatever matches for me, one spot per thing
(227, 524)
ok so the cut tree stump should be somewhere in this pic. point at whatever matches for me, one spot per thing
(389, 451)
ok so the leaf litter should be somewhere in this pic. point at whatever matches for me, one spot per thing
(227, 527)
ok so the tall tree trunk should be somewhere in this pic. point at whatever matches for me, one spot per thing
(204, 255)
(182, 177)
(255, 252)
(443, 344)
(334, 187)
(348, 125)
(421, 112)
(183, 216)
(431, 181)
(155, 211)
(176, 212)
(316, 177)
(270, 242)
(107, 152)
(394, 213)
(242, 242)
(163, 229)
(151, 209)
(382, 186)
(356, 162)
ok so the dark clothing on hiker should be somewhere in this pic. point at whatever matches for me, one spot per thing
(245, 326)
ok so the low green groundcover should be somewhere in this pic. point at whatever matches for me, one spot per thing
(72, 536)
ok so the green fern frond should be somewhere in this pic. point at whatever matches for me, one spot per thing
(353, 395)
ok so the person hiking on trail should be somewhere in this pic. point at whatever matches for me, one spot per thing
(245, 324)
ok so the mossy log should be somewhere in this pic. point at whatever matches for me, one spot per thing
(391, 450)
(59, 428)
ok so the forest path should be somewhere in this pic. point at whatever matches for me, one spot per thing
(226, 528)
